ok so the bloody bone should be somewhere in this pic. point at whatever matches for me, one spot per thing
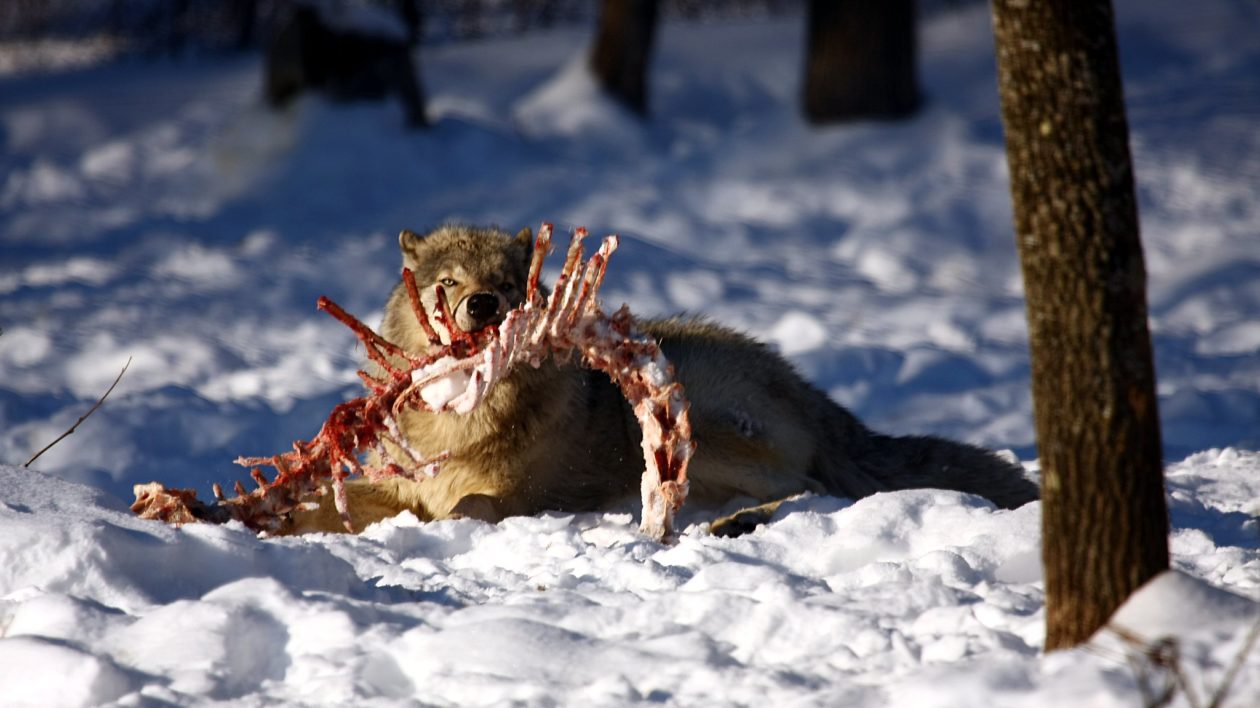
(455, 376)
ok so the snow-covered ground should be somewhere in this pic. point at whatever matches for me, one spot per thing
(158, 212)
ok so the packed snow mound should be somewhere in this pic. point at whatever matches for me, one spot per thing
(572, 106)
(1174, 605)
(920, 597)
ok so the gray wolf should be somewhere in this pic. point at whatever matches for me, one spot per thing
(562, 437)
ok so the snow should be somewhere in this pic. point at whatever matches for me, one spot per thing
(836, 599)
(1175, 604)
(157, 211)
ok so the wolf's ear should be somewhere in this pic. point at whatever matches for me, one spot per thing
(408, 240)
(525, 239)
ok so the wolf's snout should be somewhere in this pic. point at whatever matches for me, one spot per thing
(482, 307)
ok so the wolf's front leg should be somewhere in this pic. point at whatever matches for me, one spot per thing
(747, 520)
(481, 507)
(368, 502)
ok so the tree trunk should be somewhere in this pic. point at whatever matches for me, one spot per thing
(305, 53)
(243, 14)
(413, 20)
(860, 60)
(177, 21)
(1104, 518)
(623, 49)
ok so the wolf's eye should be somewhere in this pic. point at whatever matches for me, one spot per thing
(448, 282)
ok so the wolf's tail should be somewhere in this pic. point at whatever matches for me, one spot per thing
(887, 463)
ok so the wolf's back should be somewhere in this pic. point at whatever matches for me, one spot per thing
(782, 431)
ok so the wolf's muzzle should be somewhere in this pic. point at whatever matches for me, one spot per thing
(482, 307)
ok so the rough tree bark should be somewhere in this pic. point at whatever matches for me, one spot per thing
(1104, 518)
(860, 60)
(623, 50)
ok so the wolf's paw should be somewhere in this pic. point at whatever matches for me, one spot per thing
(745, 520)
(477, 506)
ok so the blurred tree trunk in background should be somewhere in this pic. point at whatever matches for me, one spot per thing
(32, 16)
(623, 50)
(346, 63)
(115, 20)
(243, 15)
(176, 17)
(860, 60)
(1104, 518)
(413, 19)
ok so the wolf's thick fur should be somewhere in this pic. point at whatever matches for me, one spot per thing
(562, 437)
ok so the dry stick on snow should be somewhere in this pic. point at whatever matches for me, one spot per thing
(1227, 682)
(455, 377)
(83, 417)
(1161, 658)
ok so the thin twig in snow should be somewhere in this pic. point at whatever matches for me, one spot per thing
(1227, 682)
(83, 417)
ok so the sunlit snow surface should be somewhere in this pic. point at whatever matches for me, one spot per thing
(914, 598)
(156, 211)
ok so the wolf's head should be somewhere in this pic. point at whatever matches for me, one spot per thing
(481, 270)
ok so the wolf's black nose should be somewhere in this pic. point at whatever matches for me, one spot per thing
(483, 306)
